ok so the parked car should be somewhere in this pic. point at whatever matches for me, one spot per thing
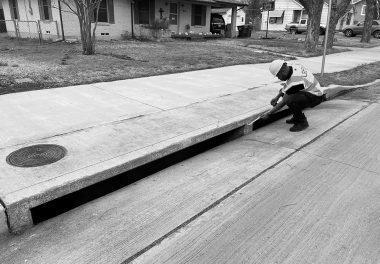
(217, 23)
(301, 27)
(357, 29)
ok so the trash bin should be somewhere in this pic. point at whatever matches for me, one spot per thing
(245, 31)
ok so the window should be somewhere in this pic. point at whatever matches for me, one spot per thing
(363, 10)
(374, 23)
(276, 20)
(276, 17)
(296, 16)
(13, 9)
(173, 14)
(144, 11)
(303, 21)
(45, 9)
(198, 15)
(105, 13)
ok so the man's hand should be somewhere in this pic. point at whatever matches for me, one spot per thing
(273, 102)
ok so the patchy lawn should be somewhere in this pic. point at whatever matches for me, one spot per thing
(285, 43)
(25, 65)
(29, 66)
(360, 75)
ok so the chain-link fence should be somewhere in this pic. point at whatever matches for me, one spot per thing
(41, 30)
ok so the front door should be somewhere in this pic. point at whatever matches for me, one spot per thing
(3, 27)
(173, 17)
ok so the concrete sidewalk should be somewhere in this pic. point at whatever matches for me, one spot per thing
(108, 128)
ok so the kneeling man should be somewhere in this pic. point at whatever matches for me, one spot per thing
(300, 90)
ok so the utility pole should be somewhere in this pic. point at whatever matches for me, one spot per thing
(326, 38)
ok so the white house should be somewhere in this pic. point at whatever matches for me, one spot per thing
(285, 12)
(28, 18)
(227, 13)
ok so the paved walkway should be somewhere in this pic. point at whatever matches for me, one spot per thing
(108, 128)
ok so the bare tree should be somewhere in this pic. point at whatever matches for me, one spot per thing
(314, 10)
(369, 15)
(338, 10)
(253, 10)
(87, 13)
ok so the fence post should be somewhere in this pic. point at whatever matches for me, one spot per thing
(39, 30)
(16, 29)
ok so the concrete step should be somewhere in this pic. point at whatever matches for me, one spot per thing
(127, 222)
(100, 152)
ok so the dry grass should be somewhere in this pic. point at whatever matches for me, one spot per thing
(360, 75)
(62, 64)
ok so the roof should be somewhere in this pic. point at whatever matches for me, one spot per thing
(276, 13)
(233, 2)
(223, 3)
(326, 2)
(220, 10)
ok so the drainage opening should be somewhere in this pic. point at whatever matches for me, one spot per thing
(274, 117)
(82, 196)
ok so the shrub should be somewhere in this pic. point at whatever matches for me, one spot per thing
(3, 63)
(159, 24)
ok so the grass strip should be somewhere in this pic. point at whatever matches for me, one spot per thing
(359, 75)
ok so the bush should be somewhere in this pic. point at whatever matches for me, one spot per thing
(159, 24)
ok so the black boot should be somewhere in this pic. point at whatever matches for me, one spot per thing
(290, 120)
(299, 126)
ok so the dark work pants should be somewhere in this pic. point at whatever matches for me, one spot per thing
(299, 101)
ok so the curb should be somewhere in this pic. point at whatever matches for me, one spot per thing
(19, 204)
(3, 221)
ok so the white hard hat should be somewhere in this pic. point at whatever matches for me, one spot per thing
(275, 66)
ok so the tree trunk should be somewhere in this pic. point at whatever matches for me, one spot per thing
(369, 13)
(313, 24)
(337, 11)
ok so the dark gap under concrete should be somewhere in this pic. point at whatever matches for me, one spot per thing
(65, 203)
(82, 196)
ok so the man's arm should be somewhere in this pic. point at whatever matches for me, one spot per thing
(274, 101)
(277, 107)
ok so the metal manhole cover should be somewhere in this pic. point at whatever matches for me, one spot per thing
(37, 155)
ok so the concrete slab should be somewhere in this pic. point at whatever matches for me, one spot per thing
(305, 210)
(339, 145)
(46, 113)
(133, 217)
(100, 152)
(117, 226)
(331, 111)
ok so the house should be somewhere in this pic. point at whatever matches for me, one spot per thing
(285, 12)
(3, 27)
(355, 14)
(227, 13)
(117, 18)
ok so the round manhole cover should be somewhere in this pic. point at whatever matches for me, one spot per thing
(37, 155)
